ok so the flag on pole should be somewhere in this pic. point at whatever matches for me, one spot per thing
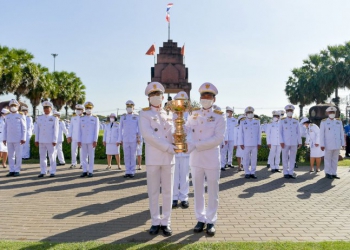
(167, 17)
(183, 50)
(151, 51)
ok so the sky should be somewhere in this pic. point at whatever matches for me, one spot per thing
(247, 49)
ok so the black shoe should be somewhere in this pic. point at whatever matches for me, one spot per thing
(52, 175)
(16, 174)
(154, 230)
(277, 170)
(83, 174)
(10, 174)
(210, 229)
(247, 176)
(223, 169)
(328, 176)
(287, 176)
(295, 165)
(90, 175)
(333, 176)
(72, 166)
(185, 204)
(40, 175)
(231, 166)
(61, 164)
(199, 227)
(253, 176)
(292, 176)
(273, 170)
(166, 230)
(126, 175)
(174, 205)
(131, 175)
(268, 165)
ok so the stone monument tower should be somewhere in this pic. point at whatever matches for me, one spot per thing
(170, 69)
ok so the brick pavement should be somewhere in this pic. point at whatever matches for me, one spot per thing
(110, 208)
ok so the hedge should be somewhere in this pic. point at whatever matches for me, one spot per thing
(100, 152)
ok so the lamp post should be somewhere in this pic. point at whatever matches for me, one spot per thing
(54, 61)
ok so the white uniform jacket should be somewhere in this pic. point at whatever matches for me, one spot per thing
(30, 126)
(111, 133)
(46, 129)
(61, 130)
(208, 132)
(129, 128)
(289, 131)
(230, 127)
(74, 128)
(157, 127)
(331, 134)
(272, 134)
(89, 129)
(15, 128)
(250, 132)
(312, 135)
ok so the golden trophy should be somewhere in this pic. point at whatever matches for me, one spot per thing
(179, 106)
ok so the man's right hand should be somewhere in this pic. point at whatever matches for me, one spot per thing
(69, 139)
(282, 145)
(322, 148)
(269, 145)
(37, 143)
(242, 147)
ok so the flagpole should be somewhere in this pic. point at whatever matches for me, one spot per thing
(169, 30)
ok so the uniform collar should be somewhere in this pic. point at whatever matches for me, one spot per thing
(156, 109)
(207, 110)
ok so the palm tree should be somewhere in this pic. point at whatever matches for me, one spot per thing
(78, 89)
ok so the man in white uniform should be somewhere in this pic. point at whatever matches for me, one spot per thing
(208, 131)
(3, 148)
(250, 141)
(156, 127)
(290, 140)
(14, 136)
(129, 137)
(331, 140)
(46, 135)
(61, 130)
(227, 149)
(88, 136)
(73, 134)
(30, 127)
(273, 142)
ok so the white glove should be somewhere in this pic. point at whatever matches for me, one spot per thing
(190, 147)
(171, 149)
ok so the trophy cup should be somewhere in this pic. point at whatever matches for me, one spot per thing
(179, 106)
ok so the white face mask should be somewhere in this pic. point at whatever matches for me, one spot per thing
(206, 103)
(129, 110)
(112, 119)
(331, 116)
(275, 119)
(13, 109)
(289, 114)
(78, 112)
(156, 100)
(250, 116)
(88, 111)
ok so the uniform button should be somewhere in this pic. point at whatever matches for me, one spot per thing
(202, 122)
(200, 131)
(166, 136)
(199, 139)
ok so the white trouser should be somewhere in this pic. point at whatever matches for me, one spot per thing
(74, 153)
(59, 152)
(87, 150)
(275, 156)
(209, 214)
(14, 151)
(250, 156)
(129, 149)
(227, 150)
(49, 149)
(26, 148)
(289, 153)
(331, 161)
(160, 176)
(181, 178)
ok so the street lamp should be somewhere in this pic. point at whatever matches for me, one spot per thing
(54, 61)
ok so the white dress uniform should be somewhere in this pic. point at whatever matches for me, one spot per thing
(239, 150)
(272, 138)
(73, 133)
(26, 145)
(208, 131)
(46, 134)
(312, 138)
(139, 147)
(156, 127)
(250, 137)
(58, 149)
(3, 147)
(14, 131)
(88, 133)
(129, 135)
(227, 149)
(332, 139)
(111, 137)
(289, 134)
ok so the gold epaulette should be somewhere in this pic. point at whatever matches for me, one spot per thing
(243, 119)
(194, 109)
(146, 109)
(283, 118)
(21, 113)
(256, 118)
(337, 119)
(74, 115)
(95, 115)
(324, 119)
(218, 112)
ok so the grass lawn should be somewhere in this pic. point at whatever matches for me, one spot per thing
(171, 246)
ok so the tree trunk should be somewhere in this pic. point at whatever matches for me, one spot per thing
(34, 113)
(301, 111)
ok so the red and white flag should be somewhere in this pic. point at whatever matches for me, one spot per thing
(167, 17)
(151, 50)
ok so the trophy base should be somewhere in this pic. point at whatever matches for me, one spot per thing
(181, 147)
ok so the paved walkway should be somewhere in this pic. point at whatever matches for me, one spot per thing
(110, 208)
